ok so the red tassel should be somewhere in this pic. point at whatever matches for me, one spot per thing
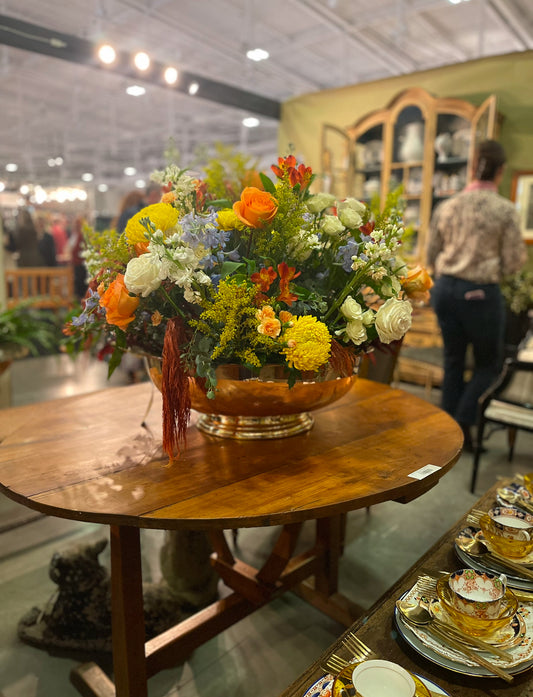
(342, 359)
(175, 391)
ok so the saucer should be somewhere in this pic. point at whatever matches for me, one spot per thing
(324, 686)
(510, 635)
(342, 684)
(526, 561)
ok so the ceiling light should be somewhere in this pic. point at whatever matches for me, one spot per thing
(87, 177)
(170, 75)
(24, 189)
(2, 186)
(142, 60)
(102, 188)
(140, 183)
(135, 90)
(40, 195)
(250, 122)
(193, 88)
(58, 161)
(11, 167)
(130, 171)
(107, 54)
(51, 162)
(257, 54)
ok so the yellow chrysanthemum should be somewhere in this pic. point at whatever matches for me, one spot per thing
(163, 216)
(308, 343)
(227, 220)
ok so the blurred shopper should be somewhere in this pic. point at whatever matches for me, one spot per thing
(47, 246)
(133, 202)
(59, 233)
(26, 240)
(76, 259)
(475, 239)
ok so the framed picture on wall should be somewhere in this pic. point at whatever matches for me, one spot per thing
(522, 195)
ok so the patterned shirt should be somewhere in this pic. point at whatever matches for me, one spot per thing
(475, 235)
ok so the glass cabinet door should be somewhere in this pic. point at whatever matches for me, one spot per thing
(368, 164)
(451, 155)
(483, 126)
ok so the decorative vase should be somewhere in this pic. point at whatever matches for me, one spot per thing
(412, 142)
(251, 406)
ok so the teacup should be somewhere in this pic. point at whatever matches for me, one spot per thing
(477, 593)
(378, 678)
(513, 523)
(528, 482)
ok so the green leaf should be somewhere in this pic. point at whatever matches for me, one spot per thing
(114, 361)
(229, 267)
(221, 203)
(267, 183)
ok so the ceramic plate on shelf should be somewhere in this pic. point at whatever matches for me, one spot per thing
(440, 653)
(323, 687)
(481, 565)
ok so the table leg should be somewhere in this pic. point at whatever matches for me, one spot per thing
(129, 664)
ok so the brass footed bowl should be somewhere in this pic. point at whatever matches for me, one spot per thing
(260, 406)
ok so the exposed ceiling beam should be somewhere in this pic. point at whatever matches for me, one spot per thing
(31, 37)
(513, 22)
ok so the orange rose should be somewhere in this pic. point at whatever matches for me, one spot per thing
(270, 326)
(120, 306)
(417, 283)
(256, 208)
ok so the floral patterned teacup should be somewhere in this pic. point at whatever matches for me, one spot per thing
(513, 523)
(477, 593)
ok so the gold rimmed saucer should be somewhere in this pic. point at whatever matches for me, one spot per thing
(508, 636)
(526, 561)
(343, 686)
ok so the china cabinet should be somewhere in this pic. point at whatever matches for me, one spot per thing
(424, 143)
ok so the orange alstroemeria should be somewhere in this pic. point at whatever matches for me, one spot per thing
(140, 248)
(119, 304)
(286, 275)
(264, 278)
(297, 174)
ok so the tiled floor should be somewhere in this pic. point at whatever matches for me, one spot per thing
(263, 653)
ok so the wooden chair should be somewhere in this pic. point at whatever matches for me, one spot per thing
(43, 287)
(508, 402)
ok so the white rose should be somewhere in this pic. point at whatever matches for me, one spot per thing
(331, 225)
(350, 218)
(351, 309)
(356, 331)
(142, 275)
(368, 318)
(319, 202)
(353, 204)
(393, 319)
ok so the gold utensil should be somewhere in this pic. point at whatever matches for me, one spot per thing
(335, 664)
(476, 548)
(357, 648)
(405, 609)
(514, 498)
(428, 588)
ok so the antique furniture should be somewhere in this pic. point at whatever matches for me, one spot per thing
(422, 142)
(376, 629)
(44, 287)
(98, 458)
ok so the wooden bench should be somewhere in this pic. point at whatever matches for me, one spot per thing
(43, 287)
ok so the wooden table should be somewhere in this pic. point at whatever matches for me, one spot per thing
(88, 458)
(376, 628)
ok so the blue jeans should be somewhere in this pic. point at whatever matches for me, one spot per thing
(468, 313)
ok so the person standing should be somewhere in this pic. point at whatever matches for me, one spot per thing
(474, 241)
(134, 202)
(26, 240)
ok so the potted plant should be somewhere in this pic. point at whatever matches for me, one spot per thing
(25, 330)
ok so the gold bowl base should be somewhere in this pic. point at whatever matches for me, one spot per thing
(254, 427)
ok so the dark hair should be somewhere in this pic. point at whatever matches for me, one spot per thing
(490, 158)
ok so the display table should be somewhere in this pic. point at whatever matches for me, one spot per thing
(376, 629)
(91, 458)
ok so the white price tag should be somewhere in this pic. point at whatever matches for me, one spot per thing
(424, 471)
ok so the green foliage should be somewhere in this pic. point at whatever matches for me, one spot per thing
(226, 174)
(29, 328)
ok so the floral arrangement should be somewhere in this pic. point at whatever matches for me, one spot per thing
(274, 274)
(517, 289)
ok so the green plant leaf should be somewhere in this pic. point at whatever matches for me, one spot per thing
(267, 183)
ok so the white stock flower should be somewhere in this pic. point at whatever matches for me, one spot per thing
(393, 319)
(302, 245)
(319, 202)
(331, 225)
(142, 275)
(356, 331)
(202, 278)
(351, 309)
